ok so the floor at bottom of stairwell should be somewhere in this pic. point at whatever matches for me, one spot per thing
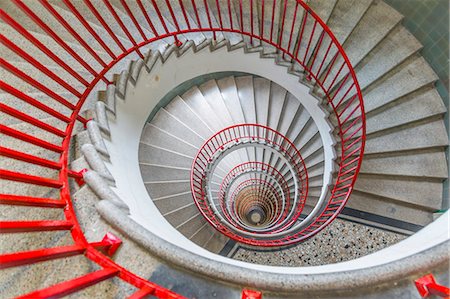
(341, 241)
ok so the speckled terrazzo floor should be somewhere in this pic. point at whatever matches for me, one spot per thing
(341, 241)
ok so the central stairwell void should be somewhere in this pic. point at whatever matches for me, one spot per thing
(186, 129)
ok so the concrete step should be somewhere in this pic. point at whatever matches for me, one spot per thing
(419, 105)
(156, 173)
(277, 99)
(179, 109)
(174, 127)
(155, 136)
(397, 46)
(175, 202)
(406, 78)
(246, 97)
(426, 194)
(159, 156)
(195, 99)
(31, 110)
(363, 38)
(109, 19)
(36, 74)
(343, 20)
(261, 89)
(410, 164)
(290, 109)
(169, 188)
(229, 92)
(213, 97)
(191, 226)
(411, 137)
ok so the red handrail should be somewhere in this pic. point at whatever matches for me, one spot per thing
(321, 69)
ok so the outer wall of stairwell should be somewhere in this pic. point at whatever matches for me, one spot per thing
(420, 247)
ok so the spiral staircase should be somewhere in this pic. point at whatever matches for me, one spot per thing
(143, 139)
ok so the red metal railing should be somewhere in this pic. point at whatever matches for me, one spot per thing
(228, 207)
(217, 146)
(302, 38)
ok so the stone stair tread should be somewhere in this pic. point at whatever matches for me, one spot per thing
(230, 96)
(290, 108)
(416, 136)
(174, 202)
(418, 106)
(216, 242)
(246, 97)
(34, 73)
(407, 164)
(195, 99)
(183, 112)
(159, 156)
(164, 119)
(403, 80)
(277, 99)
(160, 138)
(163, 189)
(213, 97)
(425, 194)
(363, 38)
(152, 173)
(262, 95)
(371, 203)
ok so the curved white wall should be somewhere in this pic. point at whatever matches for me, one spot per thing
(131, 117)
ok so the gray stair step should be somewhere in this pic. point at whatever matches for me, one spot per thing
(36, 74)
(217, 241)
(151, 173)
(290, 109)
(425, 194)
(174, 202)
(106, 15)
(183, 112)
(416, 136)
(202, 235)
(30, 110)
(397, 46)
(162, 139)
(364, 38)
(166, 121)
(195, 99)
(164, 189)
(262, 95)
(213, 97)
(159, 156)
(392, 209)
(230, 96)
(277, 98)
(343, 20)
(403, 80)
(417, 106)
(425, 163)
(246, 98)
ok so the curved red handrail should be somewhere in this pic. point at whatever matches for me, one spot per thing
(346, 103)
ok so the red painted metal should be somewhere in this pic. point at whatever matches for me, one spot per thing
(350, 117)
(33, 226)
(427, 286)
(251, 294)
(74, 285)
(6, 152)
(227, 138)
(18, 200)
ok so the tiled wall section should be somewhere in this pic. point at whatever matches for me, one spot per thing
(428, 20)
